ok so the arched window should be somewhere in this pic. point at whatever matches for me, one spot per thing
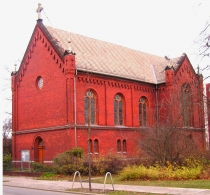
(118, 110)
(91, 146)
(118, 145)
(90, 107)
(96, 147)
(124, 146)
(143, 111)
(186, 105)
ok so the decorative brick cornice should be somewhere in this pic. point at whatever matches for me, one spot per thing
(90, 80)
(144, 89)
(26, 131)
(96, 127)
(64, 127)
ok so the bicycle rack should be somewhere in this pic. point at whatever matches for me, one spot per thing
(108, 173)
(79, 179)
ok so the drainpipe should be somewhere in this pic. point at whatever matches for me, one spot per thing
(75, 110)
(156, 94)
(156, 89)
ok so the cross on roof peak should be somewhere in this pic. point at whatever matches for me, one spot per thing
(38, 10)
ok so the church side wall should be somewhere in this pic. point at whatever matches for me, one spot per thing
(107, 141)
(106, 89)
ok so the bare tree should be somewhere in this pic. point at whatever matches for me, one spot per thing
(203, 49)
(171, 139)
(6, 134)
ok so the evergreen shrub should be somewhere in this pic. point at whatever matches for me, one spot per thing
(7, 162)
(69, 162)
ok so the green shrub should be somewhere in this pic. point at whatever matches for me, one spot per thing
(73, 160)
(77, 152)
(68, 162)
(7, 162)
(39, 167)
(48, 175)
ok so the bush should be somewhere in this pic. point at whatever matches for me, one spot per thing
(48, 175)
(7, 162)
(69, 161)
(191, 170)
(76, 152)
(140, 173)
(39, 167)
(73, 160)
(100, 165)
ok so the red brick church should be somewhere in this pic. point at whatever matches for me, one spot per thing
(68, 84)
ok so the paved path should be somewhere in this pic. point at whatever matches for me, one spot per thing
(64, 185)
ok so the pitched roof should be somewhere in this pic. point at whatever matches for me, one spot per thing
(105, 58)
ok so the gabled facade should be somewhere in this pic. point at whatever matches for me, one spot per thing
(61, 88)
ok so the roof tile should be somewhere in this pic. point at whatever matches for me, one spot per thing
(111, 59)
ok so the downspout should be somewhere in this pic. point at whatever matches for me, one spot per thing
(156, 94)
(75, 110)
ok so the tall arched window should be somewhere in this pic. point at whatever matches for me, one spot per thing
(90, 107)
(118, 145)
(96, 147)
(186, 105)
(118, 110)
(91, 146)
(143, 111)
(124, 146)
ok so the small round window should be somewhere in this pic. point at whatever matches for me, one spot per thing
(40, 82)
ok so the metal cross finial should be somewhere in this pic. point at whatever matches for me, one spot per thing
(69, 50)
(38, 10)
(69, 45)
(198, 69)
(15, 67)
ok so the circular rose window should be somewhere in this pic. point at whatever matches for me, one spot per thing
(40, 82)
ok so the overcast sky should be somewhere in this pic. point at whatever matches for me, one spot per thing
(159, 27)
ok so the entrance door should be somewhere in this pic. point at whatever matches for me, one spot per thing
(41, 153)
(39, 150)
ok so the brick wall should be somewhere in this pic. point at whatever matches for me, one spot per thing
(49, 112)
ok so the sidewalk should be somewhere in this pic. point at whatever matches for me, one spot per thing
(27, 182)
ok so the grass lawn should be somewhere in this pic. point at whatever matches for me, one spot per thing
(202, 184)
(110, 192)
